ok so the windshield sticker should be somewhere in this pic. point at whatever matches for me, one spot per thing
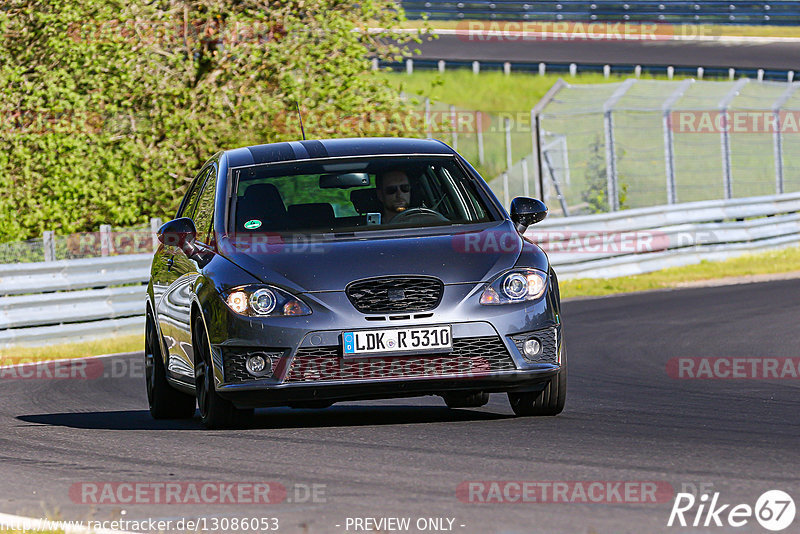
(252, 224)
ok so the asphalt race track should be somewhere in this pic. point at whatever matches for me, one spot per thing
(755, 55)
(626, 420)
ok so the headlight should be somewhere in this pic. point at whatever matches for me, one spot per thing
(264, 301)
(518, 285)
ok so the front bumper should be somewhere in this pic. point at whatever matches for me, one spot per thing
(309, 366)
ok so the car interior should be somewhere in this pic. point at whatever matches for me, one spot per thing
(348, 201)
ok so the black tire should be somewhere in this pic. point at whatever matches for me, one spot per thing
(549, 401)
(215, 412)
(465, 400)
(165, 401)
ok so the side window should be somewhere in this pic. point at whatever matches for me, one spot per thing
(205, 206)
(187, 206)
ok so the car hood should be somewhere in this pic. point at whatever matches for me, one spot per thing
(304, 266)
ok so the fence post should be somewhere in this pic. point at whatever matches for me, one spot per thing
(526, 188)
(453, 127)
(506, 198)
(536, 136)
(611, 152)
(49, 245)
(155, 224)
(777, 137)
(725, 139)
(479, 121)
(105, 239)
(507, 129)
(669, 141)
(428, 127)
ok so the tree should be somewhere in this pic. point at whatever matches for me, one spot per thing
(113, 105)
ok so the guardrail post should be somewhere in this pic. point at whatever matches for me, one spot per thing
(479, 122)
(476, 67)
(105, 239)
(441, 65)
(49, 245)
(506, 198)
(506, 68)
(155, 224)
(409, 66)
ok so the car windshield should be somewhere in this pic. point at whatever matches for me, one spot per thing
(351, 195)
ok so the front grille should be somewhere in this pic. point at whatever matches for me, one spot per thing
(471, 357)
(395, 294)
(233, 363)
(549, 343)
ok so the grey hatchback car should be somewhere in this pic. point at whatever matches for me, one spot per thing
(307, 273)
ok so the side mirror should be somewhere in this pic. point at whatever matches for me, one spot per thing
(527, 211)
(179, 233)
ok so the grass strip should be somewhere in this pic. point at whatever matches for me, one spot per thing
(111, 345)
(777, 261)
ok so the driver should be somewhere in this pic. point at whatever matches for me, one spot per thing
(394, 193)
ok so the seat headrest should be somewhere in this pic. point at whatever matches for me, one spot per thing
(314, 215)
(261, 202)
(365, 200)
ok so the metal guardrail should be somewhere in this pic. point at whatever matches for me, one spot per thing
(714, 11)
(648, 239)
(73, 300)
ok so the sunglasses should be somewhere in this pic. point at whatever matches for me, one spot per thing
(392, 189)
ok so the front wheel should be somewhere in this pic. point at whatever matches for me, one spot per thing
(215, 412)
(549, 401)
(165, 401)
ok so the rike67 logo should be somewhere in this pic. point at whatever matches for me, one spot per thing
(774, 510)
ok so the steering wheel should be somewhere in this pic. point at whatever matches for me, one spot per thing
(419, 214)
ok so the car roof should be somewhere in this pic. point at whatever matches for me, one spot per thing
(332, 148)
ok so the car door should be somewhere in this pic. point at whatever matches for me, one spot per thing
(174, 305)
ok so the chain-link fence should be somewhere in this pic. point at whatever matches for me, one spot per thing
(643, 143)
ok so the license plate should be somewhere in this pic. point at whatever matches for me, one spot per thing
(418, 339)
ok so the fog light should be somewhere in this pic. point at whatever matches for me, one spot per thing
(532, 347)
(259, 364)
